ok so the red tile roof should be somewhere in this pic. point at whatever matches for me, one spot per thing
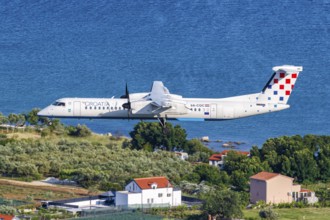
(305, 190)
(217, 157)
(145, 183)
(264, 175)
(6, 217)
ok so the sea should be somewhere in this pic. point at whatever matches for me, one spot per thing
(198, 48)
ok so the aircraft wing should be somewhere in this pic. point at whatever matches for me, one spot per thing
(159, 95)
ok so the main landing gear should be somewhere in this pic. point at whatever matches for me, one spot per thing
(162, 122)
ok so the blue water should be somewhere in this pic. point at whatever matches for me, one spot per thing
(54, 49)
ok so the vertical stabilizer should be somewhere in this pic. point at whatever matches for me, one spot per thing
(279, 88)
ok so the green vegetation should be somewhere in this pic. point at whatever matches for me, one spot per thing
(102, 163)
(222, 204)
(292, 213)
(151, 136)
(88, 163)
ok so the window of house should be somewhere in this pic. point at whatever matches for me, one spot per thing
(90, 107)
(103, 108)
(115, 108)
(95, 107)
(111, 108)
(152, 200)
(148, 201)
(160, 195)
(168, 194)
(100, 108)
(86, 107)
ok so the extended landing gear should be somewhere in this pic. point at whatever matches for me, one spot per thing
(162, 122)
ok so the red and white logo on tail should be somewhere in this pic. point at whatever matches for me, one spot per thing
(279, 88)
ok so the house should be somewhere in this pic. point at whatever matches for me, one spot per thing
(218, 159)
(276, 188)
(7, 217)
(148, 192)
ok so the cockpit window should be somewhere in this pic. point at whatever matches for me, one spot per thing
(59, 104)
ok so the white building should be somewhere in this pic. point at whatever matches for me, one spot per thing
(148, 192)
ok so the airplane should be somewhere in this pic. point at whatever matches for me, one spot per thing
(161, 105)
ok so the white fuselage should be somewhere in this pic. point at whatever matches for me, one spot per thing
(190, 109)
(160, 104)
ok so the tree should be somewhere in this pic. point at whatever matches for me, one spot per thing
(7, 210)
(195, 146)
(268, 214)
(32, 117)
(324, 162)
(207, 173)
(13, 119)
(223, 204)
(239, 180)
(3, 120)
(305, 165)
(150, 136)
(79, 131)
(324, 196)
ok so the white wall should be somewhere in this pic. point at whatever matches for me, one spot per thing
(125, 198)
(149, 196)
(176, 198)
(88, 203)
(157, 196)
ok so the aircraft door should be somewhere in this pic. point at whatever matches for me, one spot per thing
(213, 111)
(76, 109)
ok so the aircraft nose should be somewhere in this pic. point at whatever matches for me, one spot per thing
(43, 113)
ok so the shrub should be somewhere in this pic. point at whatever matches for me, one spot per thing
(268, 214)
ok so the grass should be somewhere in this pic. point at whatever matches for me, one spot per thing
(293, 213)
(30, 133)
(23, 193)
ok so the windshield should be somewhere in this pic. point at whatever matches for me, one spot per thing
(58, 104)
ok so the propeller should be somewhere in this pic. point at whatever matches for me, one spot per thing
(127, 105)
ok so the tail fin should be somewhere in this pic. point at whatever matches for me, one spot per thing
(278, 89)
